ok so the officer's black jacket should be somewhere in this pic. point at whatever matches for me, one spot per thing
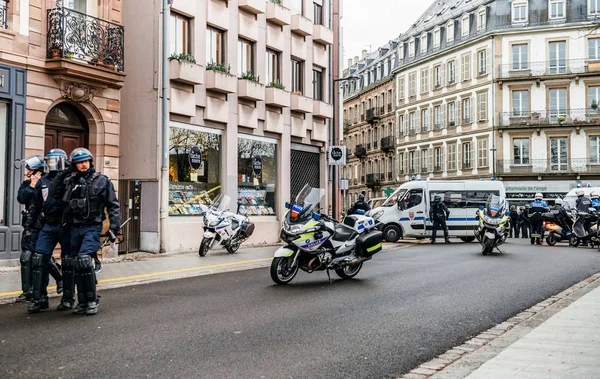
(360, 204)
(514, 216)
(52, 208)
(438, 210)
(101, 194)
(25, 194)
(524, 217)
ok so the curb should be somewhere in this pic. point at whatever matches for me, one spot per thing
(439, 366)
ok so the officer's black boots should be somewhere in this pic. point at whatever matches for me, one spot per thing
(26, 273)
(87, 287)
(40, 264)
(68, 297)
(54, 270)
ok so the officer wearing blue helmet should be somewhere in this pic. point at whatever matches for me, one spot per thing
(86, 194)
(536, 209)
(49, 209)
(360, 207)
(438, 214)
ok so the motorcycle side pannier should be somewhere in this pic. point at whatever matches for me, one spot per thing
(369, 243)
(248, 229)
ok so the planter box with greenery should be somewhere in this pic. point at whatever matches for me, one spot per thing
(276, 95)
(219, 78)
(301, 103)
(183, 69)
(250, 88)
(277, 14)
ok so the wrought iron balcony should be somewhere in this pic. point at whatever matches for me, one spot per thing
(75, 35)
(558, 166)
(524, 70)
(549, 118)
(3, 16)
(387, 143)
(373, 180)
(372, 115)
(360, 151)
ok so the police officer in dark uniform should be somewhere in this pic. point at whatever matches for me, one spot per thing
(438, 214)
(360, 204)
(87, 194)
(514, 222)
(34, 167)
(535, 216)
(524, 221)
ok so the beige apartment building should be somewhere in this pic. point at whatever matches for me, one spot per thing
(369, 123)
(61, 74)
(249, 111)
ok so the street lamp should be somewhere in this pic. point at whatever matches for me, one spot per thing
(334, 176)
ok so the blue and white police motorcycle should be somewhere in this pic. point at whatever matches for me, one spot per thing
(316, 242)
(224, 228)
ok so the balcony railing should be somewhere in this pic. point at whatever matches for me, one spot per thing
(360, 151)
(3, 16)
(547, 68)
(75, 35)
(563, 117)
(372, 115)
(562, 165)
(387, 143)
(373, 180)
(382, 110)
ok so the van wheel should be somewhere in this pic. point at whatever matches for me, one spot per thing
(467, 239)
(391, 233)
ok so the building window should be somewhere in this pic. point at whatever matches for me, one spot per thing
(194, 170)
(437, 116)
(436, 37)
(519, 11)
(451, 72)
(594, 7)
(450, 32)
(466, 155)
(411, 49)
(179, 33)
(424, 44)
(520, 57)
(412, 84)
(594, 48)
(466, 109)
(594, 149)
(439, 159)
(401, 122)
(400, 90)
(401, 167)
(412, 119)
(482, 152)
(481, 16)
(245, 56)
(451, 157)
(425, 80)
(558, 153)
(272, 67)
(465, 64)
(558, 103)
(297, 77)
(425, 160)
(593, 98)
(557, 9)
(520, 103)
(452, 113)
(215, 52)
(521, 151)
(318, 84)
(257, 176)
(318, 12)
(425, 119)
(482, 62)
(482, 106)
(412, 161)
(558, 59)
(465, 26)
(298, 6)
(437, 76)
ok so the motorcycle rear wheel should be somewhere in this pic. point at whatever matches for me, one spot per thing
(204, 246)
(233, 247)
(573, 240)
(348, 272)
(551, 239)
(281, 273)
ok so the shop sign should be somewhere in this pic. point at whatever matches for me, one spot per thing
(337, 155)
(257, 165)
(195, 157)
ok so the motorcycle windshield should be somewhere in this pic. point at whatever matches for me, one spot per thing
(221, 203)
(495, 206)
(306, 199)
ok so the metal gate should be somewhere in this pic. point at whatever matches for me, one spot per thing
(306, 168)
(129, 197)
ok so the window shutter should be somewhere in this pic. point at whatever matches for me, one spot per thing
(476, 64)
(430, 160)
(488, 59)
(443, 115)
(418, 121)
(444, 162)
(458, 155)
(443, 78)
(457, 113)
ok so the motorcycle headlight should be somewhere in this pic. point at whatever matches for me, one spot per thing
(291, 229)
(490, 220)
(214, 224)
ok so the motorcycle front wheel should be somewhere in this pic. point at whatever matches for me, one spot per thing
(204, 246)
(487, 246)
(281, 272)
(348, 272)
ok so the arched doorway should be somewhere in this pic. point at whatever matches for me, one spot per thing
(66, 128)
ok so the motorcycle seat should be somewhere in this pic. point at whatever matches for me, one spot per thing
(342, 233)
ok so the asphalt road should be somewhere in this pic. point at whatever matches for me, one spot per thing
(405, 307)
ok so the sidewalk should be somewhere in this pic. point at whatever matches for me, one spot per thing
(558, 338)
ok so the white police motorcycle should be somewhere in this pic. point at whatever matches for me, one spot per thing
(316, 242)
(224, 228)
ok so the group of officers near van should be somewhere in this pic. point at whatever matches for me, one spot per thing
(65, 201)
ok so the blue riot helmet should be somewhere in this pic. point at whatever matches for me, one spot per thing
(34, 163)
(361, 197)
(437, 198)
(56, 160)
(81, 154)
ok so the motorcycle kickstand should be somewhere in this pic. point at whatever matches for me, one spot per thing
(328, 276)
(500, 251)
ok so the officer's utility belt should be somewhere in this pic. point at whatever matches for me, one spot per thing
(52, 220)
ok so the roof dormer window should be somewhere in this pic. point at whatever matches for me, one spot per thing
(464, 25)
(424, 43)
(411, 48)
(436, 38)
(450, 31)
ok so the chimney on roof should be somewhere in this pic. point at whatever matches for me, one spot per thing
(364, 54)
(349, 62)
(356, 59)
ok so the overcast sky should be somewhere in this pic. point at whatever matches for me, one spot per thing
(375, 22)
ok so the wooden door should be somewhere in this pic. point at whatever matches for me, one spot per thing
(63, 139)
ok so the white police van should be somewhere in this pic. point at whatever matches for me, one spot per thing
(406, 211)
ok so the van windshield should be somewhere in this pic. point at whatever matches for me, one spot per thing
(393, 200)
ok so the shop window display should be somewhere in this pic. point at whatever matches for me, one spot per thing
(257, 176)
(194, 170)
